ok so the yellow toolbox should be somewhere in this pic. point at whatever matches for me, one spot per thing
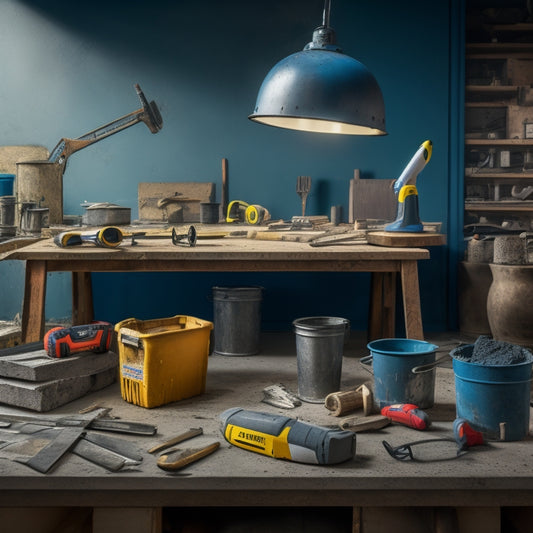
(162, 360)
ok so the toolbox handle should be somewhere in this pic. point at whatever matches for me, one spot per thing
(130, 340)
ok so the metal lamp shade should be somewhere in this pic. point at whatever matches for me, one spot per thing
(322, 91)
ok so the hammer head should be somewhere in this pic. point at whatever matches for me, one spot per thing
(150, 114)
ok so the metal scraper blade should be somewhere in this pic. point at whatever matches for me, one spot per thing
(100, 456)
(48, 456)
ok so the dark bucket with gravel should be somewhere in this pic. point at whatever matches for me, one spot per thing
(492, 387)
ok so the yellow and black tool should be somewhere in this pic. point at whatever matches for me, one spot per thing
(239, 211)
(256, 214)
(236, 211)
(282, 437)
(408, 219)
(107, 237)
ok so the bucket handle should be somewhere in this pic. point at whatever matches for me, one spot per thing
(429, 366)
(366, 361)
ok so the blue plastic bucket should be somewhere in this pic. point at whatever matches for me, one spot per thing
(394, 382)
(490, 395)
(6, 184)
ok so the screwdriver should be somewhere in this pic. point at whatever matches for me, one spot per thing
(407, 414)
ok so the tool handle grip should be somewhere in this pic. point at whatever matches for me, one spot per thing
(407, 414)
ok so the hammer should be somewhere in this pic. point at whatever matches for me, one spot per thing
(148, 113)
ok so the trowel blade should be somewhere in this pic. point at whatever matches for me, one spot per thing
(279, 396)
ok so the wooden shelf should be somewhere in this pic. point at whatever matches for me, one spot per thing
(499, 50)
(507, 60)
(500, 207)
(492, 96)
(490, 90)
(488, 103)
(499, 142)
(517, 26)
(500, 175)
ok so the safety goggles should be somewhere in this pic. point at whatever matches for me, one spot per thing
(425, 450)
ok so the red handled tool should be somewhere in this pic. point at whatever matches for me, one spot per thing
(464, 435)
(407, 414)
(62, 342)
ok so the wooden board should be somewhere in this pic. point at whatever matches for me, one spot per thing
(11, 155)
(192, 193)
(409, 240)
(372, 199)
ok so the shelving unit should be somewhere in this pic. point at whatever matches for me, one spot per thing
(499, 124)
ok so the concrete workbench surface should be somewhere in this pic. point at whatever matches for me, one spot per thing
(497, 473)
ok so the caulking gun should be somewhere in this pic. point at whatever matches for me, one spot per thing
(408, 219)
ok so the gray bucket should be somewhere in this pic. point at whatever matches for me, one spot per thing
(237, 319)
(7, 210)
(209, 212)
(319, 351)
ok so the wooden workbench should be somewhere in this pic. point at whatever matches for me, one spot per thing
(372, 493)
(223, 254)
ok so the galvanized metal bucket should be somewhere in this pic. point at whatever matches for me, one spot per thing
(41, 182)
(319, 351)
(7, 210)
(237, 319)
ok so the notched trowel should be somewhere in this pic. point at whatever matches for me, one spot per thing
(279, 396)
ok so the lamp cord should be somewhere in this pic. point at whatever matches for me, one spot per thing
(325, 16)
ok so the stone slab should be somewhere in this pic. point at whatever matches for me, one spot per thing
(37, 366)
(46, 395)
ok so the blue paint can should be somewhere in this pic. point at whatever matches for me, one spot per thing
(494, 399)
(6, 184)
(394, 382)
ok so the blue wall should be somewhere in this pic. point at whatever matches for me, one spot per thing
(66, 71)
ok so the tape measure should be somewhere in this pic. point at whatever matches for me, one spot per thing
(256, 214)
(236, 211)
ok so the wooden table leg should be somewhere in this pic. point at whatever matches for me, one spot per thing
(82, 298)
(389, 305)
(34, 301)
(132, 520)
(382, 306)
(411, 300)
(375, 312)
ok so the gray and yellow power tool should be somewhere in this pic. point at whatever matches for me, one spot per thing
(107, 237)
(282, 437)
(407, 218)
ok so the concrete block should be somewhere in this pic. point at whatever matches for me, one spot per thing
(37, 366)
(46, 395)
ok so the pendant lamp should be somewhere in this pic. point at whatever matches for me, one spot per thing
(321, 89)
